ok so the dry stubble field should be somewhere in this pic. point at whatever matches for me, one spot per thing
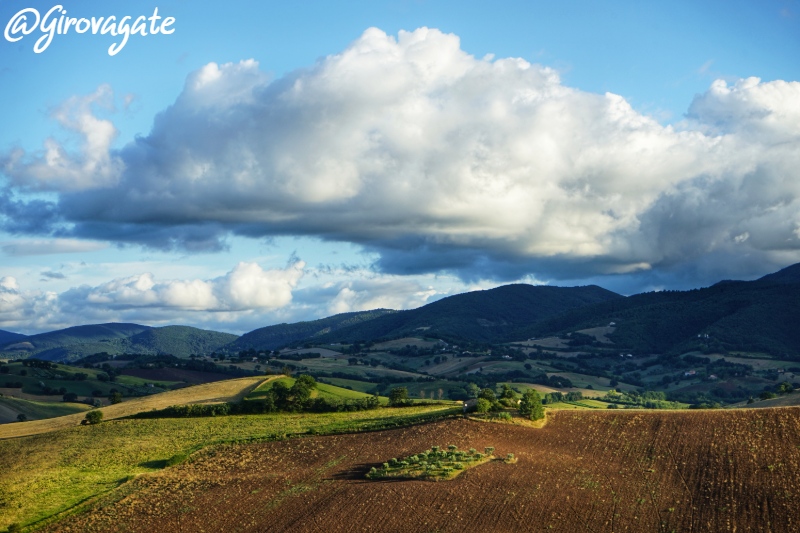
(701, 471)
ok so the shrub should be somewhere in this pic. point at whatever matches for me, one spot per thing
(482, 405)
(94, 417)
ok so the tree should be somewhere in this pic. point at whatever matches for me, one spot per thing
(116, 397)
(473, 390)
(22, 417)
(70, 397)
(482, 405)
(94, 417)
(488, 394)
(531, 405)
(508, 393)
(307, 381)
(398, 396)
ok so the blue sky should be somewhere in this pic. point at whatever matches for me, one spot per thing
(272, 162)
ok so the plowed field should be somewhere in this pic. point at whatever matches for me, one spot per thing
(702, 471)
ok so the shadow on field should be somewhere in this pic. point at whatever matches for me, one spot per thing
(359, 473)
(155, 465)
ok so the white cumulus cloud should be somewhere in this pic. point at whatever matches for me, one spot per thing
(435, 161)
(246, 287)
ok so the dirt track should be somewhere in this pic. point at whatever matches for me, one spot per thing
(584, 471)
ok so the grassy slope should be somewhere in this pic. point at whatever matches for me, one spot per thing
(218, 391)
(361, 386)
(323, 390)
(43, 475)
(34, 410)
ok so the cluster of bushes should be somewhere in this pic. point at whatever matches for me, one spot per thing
(556, 397)
(433, 463)
(639, 400)
(529, 406)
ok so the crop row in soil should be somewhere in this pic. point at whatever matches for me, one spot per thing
(698, 471)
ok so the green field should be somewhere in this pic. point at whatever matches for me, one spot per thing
(361, 386)
(64, 376)
(35, 410)
(43, 475)
(322, 390)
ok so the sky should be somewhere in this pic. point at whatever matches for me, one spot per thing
(232, 165)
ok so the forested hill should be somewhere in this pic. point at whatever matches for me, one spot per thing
(790, 274)
(484, 316)
(180, 341)
(279, 335)
(761, 316)
(7, 337)
(116, 338)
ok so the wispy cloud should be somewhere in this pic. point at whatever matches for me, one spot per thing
(53, 246)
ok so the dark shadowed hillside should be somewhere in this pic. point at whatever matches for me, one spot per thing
(760, 316)
(483, 316)
(8, 337)
(279, 335)
(790, 274)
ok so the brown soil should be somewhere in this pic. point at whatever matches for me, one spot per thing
(702, 471)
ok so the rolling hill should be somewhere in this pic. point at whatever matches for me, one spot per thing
(8, 337)
(116, 338)
(280, 335)
(180, 341)
(756, 316)
(483, 316)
